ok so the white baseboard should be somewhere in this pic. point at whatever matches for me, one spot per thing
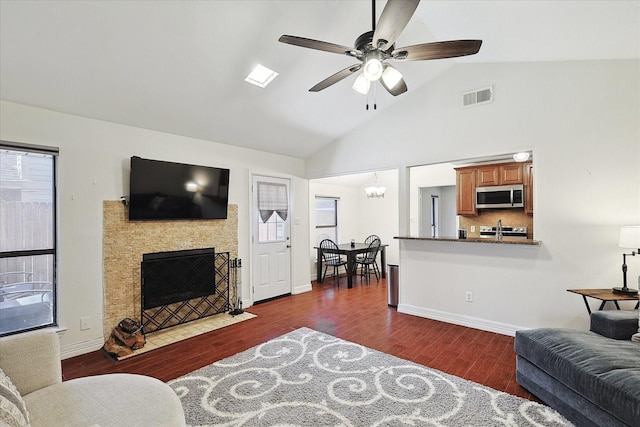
(301, 289)
(84, 347)
(458, 319)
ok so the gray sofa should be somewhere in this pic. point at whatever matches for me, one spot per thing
(591, 377)
(32, 384)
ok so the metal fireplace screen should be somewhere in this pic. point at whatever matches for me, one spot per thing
(181, 286)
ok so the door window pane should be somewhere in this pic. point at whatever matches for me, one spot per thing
(273, 230)
(27, 243)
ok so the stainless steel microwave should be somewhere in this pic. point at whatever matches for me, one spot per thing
(500, 196)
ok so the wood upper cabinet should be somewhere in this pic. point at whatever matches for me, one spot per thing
(470, 177)
(511, 173)
(466, 191)
(528, 188)
(488, 175)
(499, 174)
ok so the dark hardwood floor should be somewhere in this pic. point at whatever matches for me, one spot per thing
(359, 315)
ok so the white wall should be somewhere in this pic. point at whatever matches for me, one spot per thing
(581, 119)
(380, 215)
(446, 212)
(93, 166)
(438, 175)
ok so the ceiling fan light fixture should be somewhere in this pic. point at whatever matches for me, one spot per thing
(391, 76)
(372, 68)
(362, 84)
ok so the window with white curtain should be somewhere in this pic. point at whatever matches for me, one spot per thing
(326, 219)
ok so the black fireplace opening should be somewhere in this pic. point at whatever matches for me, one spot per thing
(175, 276)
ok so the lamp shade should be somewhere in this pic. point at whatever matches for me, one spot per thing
(361, 85)
(372, 69)
(630, 237)
(391, 76)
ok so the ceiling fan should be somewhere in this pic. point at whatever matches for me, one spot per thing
(375, 47)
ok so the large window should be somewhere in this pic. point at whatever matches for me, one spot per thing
(27, 237)
(326, 219)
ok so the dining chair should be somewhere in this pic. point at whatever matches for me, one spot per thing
(368, 263)
(361, 257)
(331, 259)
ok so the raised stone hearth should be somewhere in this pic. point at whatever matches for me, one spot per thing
(124, 243)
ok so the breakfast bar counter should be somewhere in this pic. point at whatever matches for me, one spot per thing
(504, 241)
(476, 282)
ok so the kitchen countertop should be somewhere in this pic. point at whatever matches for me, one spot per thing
(504, 241)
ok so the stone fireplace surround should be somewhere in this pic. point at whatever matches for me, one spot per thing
(124, 243)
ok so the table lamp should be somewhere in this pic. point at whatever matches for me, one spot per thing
(630, 239)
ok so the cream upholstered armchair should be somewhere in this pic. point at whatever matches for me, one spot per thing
(32, 392)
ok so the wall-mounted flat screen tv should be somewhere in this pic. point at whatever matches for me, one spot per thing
(174, 191)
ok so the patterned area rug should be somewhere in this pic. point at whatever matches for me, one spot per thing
(307, 378)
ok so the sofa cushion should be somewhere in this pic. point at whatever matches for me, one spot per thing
(616, 324)
(113, 400)
(636, 337)
(604, 371)
(13, 411)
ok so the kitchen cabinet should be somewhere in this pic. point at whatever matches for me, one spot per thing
(511, 173)
(466, 191)
(488, 175)
(528, 188)
(499, 174)
(470, 177)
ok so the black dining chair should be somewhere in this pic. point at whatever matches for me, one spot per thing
(368, 263)
(361, 257)
(331, 259)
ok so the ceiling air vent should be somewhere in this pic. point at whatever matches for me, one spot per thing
(476, 97)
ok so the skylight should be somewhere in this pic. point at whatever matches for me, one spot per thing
(261, 76)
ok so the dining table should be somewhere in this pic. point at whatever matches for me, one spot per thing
(351, 250)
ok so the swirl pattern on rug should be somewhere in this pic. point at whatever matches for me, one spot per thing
(307, 378)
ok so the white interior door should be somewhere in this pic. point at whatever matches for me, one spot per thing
(429, 214)
(271, 237)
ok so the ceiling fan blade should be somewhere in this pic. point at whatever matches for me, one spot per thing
(396, 85)
(437, 50)
(394, 19)
(318, 45)
(342, 74)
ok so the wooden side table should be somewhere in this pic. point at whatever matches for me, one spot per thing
(604, 295)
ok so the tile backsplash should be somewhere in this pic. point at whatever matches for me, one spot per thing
(510, 217)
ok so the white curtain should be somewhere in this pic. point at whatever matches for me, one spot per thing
(272, 198)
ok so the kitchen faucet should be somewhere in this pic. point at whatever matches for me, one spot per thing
(499, 231)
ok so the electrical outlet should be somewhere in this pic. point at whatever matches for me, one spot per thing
(473, 228)
(84, 323)
(468, 297)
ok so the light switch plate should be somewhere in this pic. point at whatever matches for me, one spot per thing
(84, 323)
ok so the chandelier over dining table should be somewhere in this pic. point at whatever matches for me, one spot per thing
(374, 191)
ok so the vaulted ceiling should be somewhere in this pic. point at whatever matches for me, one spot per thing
(178, 66)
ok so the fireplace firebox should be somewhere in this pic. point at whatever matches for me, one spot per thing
(181, 286)
(175, 276)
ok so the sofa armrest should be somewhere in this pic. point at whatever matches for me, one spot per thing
(616, 324)
(31, 360)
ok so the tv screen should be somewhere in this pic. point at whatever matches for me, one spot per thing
(170, 191)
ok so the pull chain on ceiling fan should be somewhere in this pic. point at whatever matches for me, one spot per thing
(375, 47)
